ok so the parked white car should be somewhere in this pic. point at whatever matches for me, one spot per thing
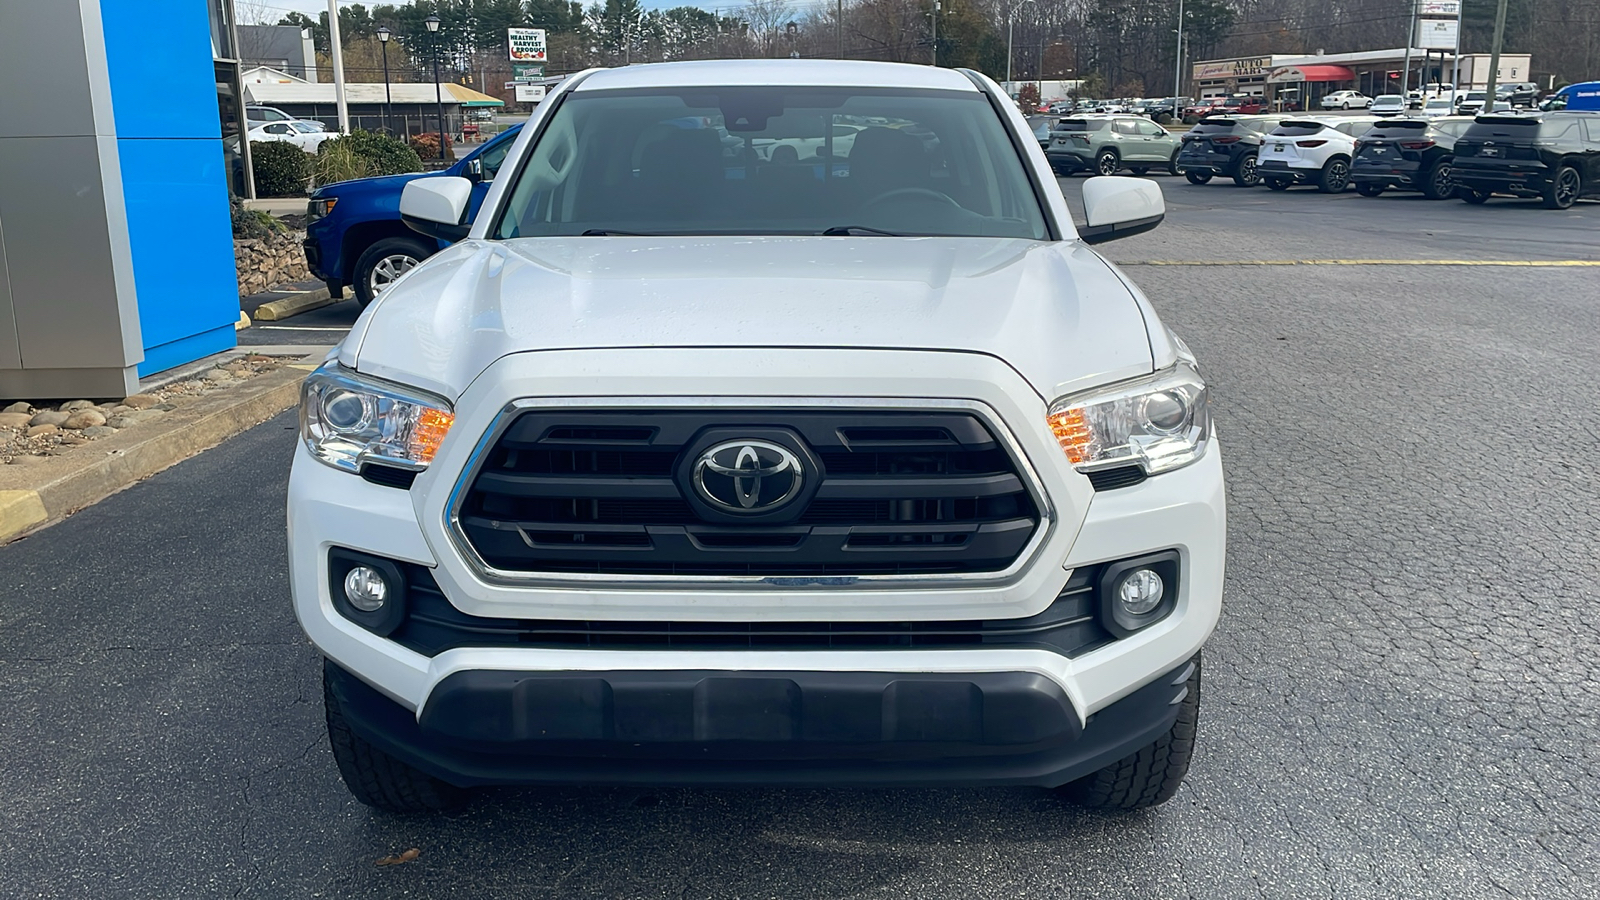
(257, 115)
(1346, 100)
(1435, 107)
(866, 474)
(1311, 150)
(299, 133)
(1388, 105)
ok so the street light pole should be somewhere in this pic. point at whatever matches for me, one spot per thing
(1494, 57)
(935, 46)
(388, 99)
(438, 92)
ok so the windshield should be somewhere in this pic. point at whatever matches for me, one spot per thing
(773, 160)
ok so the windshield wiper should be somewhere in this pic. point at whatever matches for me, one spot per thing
(850, 230)
(607, 232)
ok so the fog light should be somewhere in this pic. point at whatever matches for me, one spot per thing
(1140, 592)
(366, 590)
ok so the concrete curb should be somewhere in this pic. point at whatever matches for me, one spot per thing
(278, 310)
(85, 479)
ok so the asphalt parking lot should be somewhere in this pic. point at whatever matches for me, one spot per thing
(1402, 700)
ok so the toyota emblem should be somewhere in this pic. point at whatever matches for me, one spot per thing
(748, 476)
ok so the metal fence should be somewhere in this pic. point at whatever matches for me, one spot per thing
(407, 126)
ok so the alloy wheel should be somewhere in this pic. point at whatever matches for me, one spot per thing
(388, 269)
(1338, 176)
(1567, 187)
(1247, 171)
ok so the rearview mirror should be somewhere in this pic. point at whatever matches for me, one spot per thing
(1117, 207)
(437, 207)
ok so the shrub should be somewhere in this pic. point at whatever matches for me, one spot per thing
(427, 145)
(389, 156)
(280, 168)
(337, 160)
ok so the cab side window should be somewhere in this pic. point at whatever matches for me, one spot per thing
(1151, 129)
(1123, 127)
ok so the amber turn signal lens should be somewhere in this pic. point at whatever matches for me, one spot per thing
(1072, 431)
(432, 425)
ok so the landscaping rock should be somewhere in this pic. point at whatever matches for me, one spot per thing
(17, 420)
(99, 431)
(49, 418)
(74, 405)
(85, 418)
(166, 407)
(127, 421)
(18, 407)
(141, 401)
(38, 430)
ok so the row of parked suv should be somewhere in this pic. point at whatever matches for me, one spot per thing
(1553, 156)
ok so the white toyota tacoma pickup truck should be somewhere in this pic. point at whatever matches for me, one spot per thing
(772, 423)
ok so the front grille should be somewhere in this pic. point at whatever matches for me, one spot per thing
(1069, 626)
(607, 493)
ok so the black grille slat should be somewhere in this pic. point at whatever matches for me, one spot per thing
(1069, 626)
(900, 493)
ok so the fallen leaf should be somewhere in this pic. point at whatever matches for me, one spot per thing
(405, 857)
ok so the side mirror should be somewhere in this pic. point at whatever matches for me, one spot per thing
(1117, 207)
(474, 170)
(437, 207)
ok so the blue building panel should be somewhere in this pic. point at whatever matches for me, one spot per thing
(174, 183)
(182, 243)
(163, 82)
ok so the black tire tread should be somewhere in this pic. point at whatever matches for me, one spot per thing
(1153, 775)
(378, 779)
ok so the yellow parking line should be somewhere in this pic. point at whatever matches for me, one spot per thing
(1525, 263)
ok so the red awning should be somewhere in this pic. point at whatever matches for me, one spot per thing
(1293, 74)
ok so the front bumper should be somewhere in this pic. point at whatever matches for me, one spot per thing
(1183, 510)
(729, 728)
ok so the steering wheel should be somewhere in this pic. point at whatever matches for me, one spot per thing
(924, 193)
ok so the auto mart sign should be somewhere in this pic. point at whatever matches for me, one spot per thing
(1233, 68)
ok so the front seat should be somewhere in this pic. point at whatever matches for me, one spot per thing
(886, 159)
(682, 176)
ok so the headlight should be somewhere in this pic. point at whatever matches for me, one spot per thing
(347, 420)
(316, 209)
(1159, 422)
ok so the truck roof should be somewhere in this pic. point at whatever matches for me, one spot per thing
(755, 72)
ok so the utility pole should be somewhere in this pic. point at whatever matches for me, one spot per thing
(935, 45)
(1411, 38)
(838, 29)
(1177, 70)
(1455, 64)
(337, 55)
(1494, 56)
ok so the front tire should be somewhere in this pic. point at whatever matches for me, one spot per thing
(1153, 775)
(1346, 105)
(1107, 163)
(1247, 175)
(376, 778)
(1172, 164)
(1334, 177)
(1197, 177)
(1564, 189)
(383, 262)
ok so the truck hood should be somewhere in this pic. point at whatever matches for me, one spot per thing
(377, 183)
(1054, 311)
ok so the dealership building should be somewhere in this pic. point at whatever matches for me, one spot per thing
(1372, 72)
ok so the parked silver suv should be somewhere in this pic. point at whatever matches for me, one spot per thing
(1105, 145)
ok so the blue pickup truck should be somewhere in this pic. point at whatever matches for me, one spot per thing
(354, 235)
